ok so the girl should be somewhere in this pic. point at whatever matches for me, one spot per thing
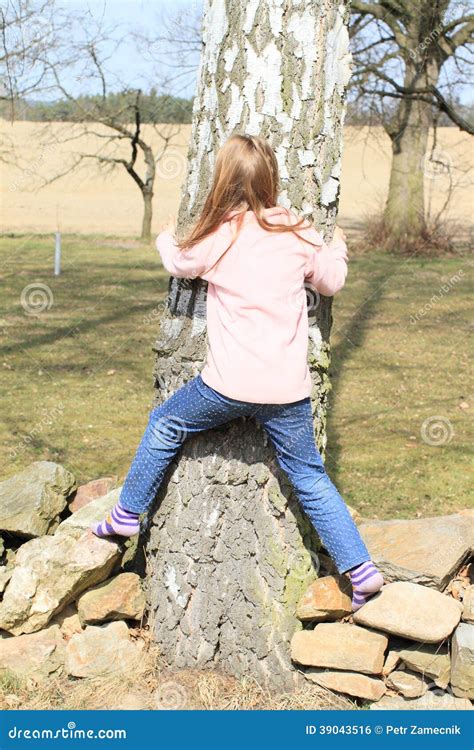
(257, 258)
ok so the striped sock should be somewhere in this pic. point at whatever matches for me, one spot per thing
(120, 521)
(366, 581)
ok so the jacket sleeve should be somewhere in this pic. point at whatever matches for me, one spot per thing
(326, 269)
(191, 263)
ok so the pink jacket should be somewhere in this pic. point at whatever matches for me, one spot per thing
(257, 321)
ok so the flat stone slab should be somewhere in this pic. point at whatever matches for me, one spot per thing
(432, 661)
(32, 500)
(37, 655)
(430, 701)
(350, 683)
(102, 650)
(462, 670)
(340, 646)
(327, 598)
(427, 551)
(411, 611)
(121, 598)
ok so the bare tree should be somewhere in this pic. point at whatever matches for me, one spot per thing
(410, 56)
(112, 126)
(27, 29)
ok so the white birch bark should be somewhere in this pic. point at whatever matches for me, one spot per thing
(229, 552)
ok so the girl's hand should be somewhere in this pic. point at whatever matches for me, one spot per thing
(339, 234)
(169, 225)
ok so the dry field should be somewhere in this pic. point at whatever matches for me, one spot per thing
(91, 201)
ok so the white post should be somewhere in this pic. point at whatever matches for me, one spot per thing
(57, 255)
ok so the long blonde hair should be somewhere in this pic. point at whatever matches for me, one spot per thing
(245, 179)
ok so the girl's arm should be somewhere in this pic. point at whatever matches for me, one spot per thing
(326, 269)
(191, 263)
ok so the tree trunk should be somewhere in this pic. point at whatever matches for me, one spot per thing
(147, 216)
(229, 552)
(404, 215)
(405, 209)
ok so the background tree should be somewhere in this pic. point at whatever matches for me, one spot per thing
(410, 59)
(229, 552)
(108, 126)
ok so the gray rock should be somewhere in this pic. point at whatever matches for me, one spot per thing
(50, 572)
(426, 551)
(37, 655)
(32, 501)
(412, 611)
(462, 670)
(102, 650)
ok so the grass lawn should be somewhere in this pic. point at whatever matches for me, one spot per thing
(77, 376)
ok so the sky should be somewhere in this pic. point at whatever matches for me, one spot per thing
(142, 16)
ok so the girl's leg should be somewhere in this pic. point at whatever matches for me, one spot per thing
(290, 427)
(193, 408)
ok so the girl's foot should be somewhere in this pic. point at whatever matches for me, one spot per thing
(119, 522)
(366, 580)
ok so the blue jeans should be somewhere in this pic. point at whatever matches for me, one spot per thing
(196, 407)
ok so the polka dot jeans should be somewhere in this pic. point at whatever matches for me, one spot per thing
(196, 407)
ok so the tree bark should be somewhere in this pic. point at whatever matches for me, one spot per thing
(147, 216)
(229, 552)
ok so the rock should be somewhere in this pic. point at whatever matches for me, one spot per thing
(393, 657)
(102, 650)
(408, 684)
(412, 611)
(50, 572)
(350, 683)
(121, 598)
(328, 598)
(96, 510)
(68, 621)
(37, 655)
(468, 605)
(427, 551)
(5, 575)
(86, 493)
(430, 701)
(462, 666)
(32, 501)
(340, 646)
(431, 661)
